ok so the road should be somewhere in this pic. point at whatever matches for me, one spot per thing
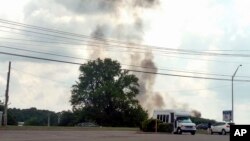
(10, 135)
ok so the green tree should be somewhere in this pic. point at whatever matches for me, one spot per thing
(11, 118)
(107, 94)
(31, 116)
(67, 118)
(198, 120)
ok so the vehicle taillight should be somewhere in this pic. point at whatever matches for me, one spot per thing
(228, 126)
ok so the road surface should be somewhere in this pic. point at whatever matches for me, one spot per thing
(12, 135)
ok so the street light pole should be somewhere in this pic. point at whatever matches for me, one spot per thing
(233, 92)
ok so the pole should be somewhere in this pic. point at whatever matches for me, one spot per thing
(59, 119)
(7, 98)
(48, 119)
(156, 125)
(232, 117)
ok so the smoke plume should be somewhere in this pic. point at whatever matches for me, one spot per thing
(148, 98)
(98, 32)
(196, 113)
(123, 20)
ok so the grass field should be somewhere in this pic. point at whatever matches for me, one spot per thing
(60, 128)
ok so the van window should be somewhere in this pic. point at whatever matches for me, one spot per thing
(167, 118)
(164, 118)
(184, 119)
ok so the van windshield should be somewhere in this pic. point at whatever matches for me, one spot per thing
(184, 119)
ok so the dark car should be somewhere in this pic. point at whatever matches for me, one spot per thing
(202, 126)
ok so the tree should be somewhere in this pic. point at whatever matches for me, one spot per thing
(107, 94)
(11, 117)
(31, 116)
(67, 118)
(198, 120)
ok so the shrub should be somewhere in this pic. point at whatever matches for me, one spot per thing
(165, 127)
(149, 125)
(140, 126)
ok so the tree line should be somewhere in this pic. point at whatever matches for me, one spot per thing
(104, 94)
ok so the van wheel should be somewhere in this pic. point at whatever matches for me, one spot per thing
(179, 131)
(212, 132)
(193, 133)
(223, 132)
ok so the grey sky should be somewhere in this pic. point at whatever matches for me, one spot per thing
(178, 24)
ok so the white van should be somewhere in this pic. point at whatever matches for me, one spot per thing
(180, 120)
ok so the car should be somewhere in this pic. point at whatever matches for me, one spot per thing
(221, 128)
(202, 126)
(87, 124)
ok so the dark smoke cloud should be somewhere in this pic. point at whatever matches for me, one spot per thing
(104, 6)
(158, 101)
(90, 6)
(149, 80)
(196, 113)
(146, 3)
(98, 32)
(131, 32)
(148, 97)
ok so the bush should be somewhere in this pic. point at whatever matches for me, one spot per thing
(140, 126)
(165, 127)
(202, 120)
(149, 125)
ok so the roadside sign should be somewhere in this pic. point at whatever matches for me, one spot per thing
(227, 115)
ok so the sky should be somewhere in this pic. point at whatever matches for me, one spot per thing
(215, 26)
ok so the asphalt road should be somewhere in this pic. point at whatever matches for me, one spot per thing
(10, 135)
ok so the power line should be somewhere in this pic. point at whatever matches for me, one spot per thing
(34, 75)
(175, 51)
(27, 50)
(56, 31)
(72, 43)
(106, 46)
(80, 40)
(132, 70)
(179, 57)
(39, 58)
(40, 52)
(227, 50)
(87, 44)
(79, 35)
(203, 89)
(100, 39)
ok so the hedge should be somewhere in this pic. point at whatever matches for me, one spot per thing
(165, 127)
(149, 126)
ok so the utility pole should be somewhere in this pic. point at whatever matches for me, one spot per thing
(58, 118)
(48, 119)
(7, 98)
